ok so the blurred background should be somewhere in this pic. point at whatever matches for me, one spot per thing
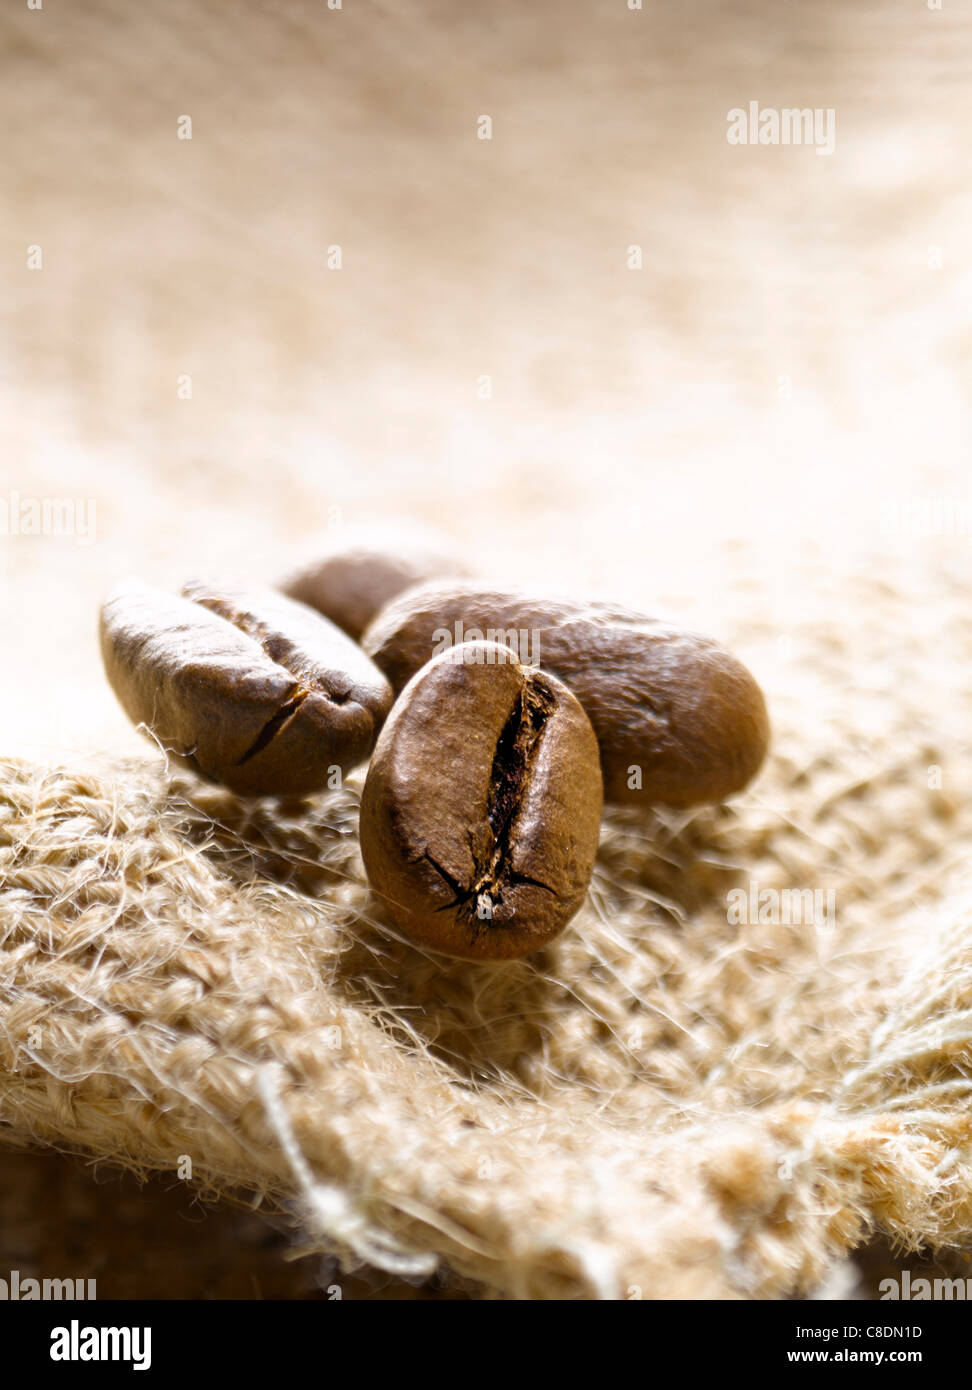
(794, 353)
(336, 302)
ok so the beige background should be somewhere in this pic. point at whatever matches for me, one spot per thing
(786, 366)
(636, 419)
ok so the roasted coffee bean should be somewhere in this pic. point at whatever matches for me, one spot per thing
(481, 810)
(349, 582)
(245, 686)
(678, 719)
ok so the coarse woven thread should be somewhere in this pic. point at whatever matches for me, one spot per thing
(663, 1103)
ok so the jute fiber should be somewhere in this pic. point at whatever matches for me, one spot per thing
(668, 1101)
(665, 1102)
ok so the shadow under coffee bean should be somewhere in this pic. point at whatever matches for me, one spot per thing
(481, 811)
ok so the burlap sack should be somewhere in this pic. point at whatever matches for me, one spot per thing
(697, 1091)
(665, 1101)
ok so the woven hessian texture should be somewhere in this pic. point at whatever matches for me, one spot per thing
(663, 1101)
(667, 1100)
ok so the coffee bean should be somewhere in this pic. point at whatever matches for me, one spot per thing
(245, 686)
(678, 719)
(351, 581)
(481, 810)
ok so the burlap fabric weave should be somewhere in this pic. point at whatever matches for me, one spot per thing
(664, 1101)
(668, 1101)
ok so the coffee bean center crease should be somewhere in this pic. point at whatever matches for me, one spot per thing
(273, 726)
(516, 749)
